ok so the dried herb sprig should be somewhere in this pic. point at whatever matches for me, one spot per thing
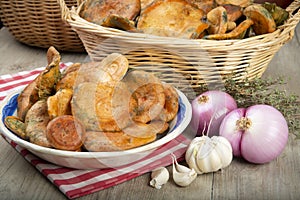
(267, 91)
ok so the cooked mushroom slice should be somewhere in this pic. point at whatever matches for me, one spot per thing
(65, 132)
(118, 22)
(145, 3)
(242, 3)
(97, 10)
(148, 93)
(170, 18)
(279, 14)
(217, 18)
(16, 125)
(231, 26)
(83, 105)
(111, 69)
(91, 72)
(27, 98)
(116, 65)
(50, 76)
(141, 130)
(237, 33)
(99, 108)
(71, 68)
(112, 106)
(263, 20)
(113, 141)
(36, 121)
(200, 31)
(67, 81)
(59, 104)
(205, 5)
(171, 103)
(233, 12)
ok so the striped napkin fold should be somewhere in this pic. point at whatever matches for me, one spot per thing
(75, 183)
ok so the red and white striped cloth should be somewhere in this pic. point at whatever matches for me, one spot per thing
(76, 183)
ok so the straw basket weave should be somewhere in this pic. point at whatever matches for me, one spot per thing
(183, 62)
(39, 23)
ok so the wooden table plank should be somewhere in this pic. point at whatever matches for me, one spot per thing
(241, 180)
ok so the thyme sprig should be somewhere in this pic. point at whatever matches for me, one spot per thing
(269, 91)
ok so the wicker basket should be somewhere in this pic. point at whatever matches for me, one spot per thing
(185, 63)
(39, 23)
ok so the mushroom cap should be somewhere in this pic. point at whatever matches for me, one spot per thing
(263, 20)
(242, 3)
(217, 18)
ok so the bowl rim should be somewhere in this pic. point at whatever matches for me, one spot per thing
(62, 153)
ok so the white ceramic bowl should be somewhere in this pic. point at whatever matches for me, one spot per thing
(95, 160)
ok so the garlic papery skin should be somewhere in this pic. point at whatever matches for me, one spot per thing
(205, 154)
(159, 177)
(182, 175)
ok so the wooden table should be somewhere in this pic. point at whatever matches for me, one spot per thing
(276, 180)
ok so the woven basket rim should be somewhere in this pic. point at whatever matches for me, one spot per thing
(72, 17)
(197, 60)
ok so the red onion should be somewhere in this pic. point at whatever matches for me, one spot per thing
(258, 133)
(209, 109)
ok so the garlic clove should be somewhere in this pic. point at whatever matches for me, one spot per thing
(180, 168)
(209, 163)
(182, 175)
(193, 165)
(190, 157)
(159, 177)
(184, 179)
(224, 149)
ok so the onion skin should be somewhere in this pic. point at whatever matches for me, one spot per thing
(264, 134)
(228, 129)
(211, 104)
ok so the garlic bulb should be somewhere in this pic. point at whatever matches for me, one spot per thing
(206, 154)
(159, 177)
(182, 175)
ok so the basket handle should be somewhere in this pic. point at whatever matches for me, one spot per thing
(293, 8)
(294, 11)
(289, 26)
(66, 13)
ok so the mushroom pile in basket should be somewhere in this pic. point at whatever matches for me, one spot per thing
(191, 19)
